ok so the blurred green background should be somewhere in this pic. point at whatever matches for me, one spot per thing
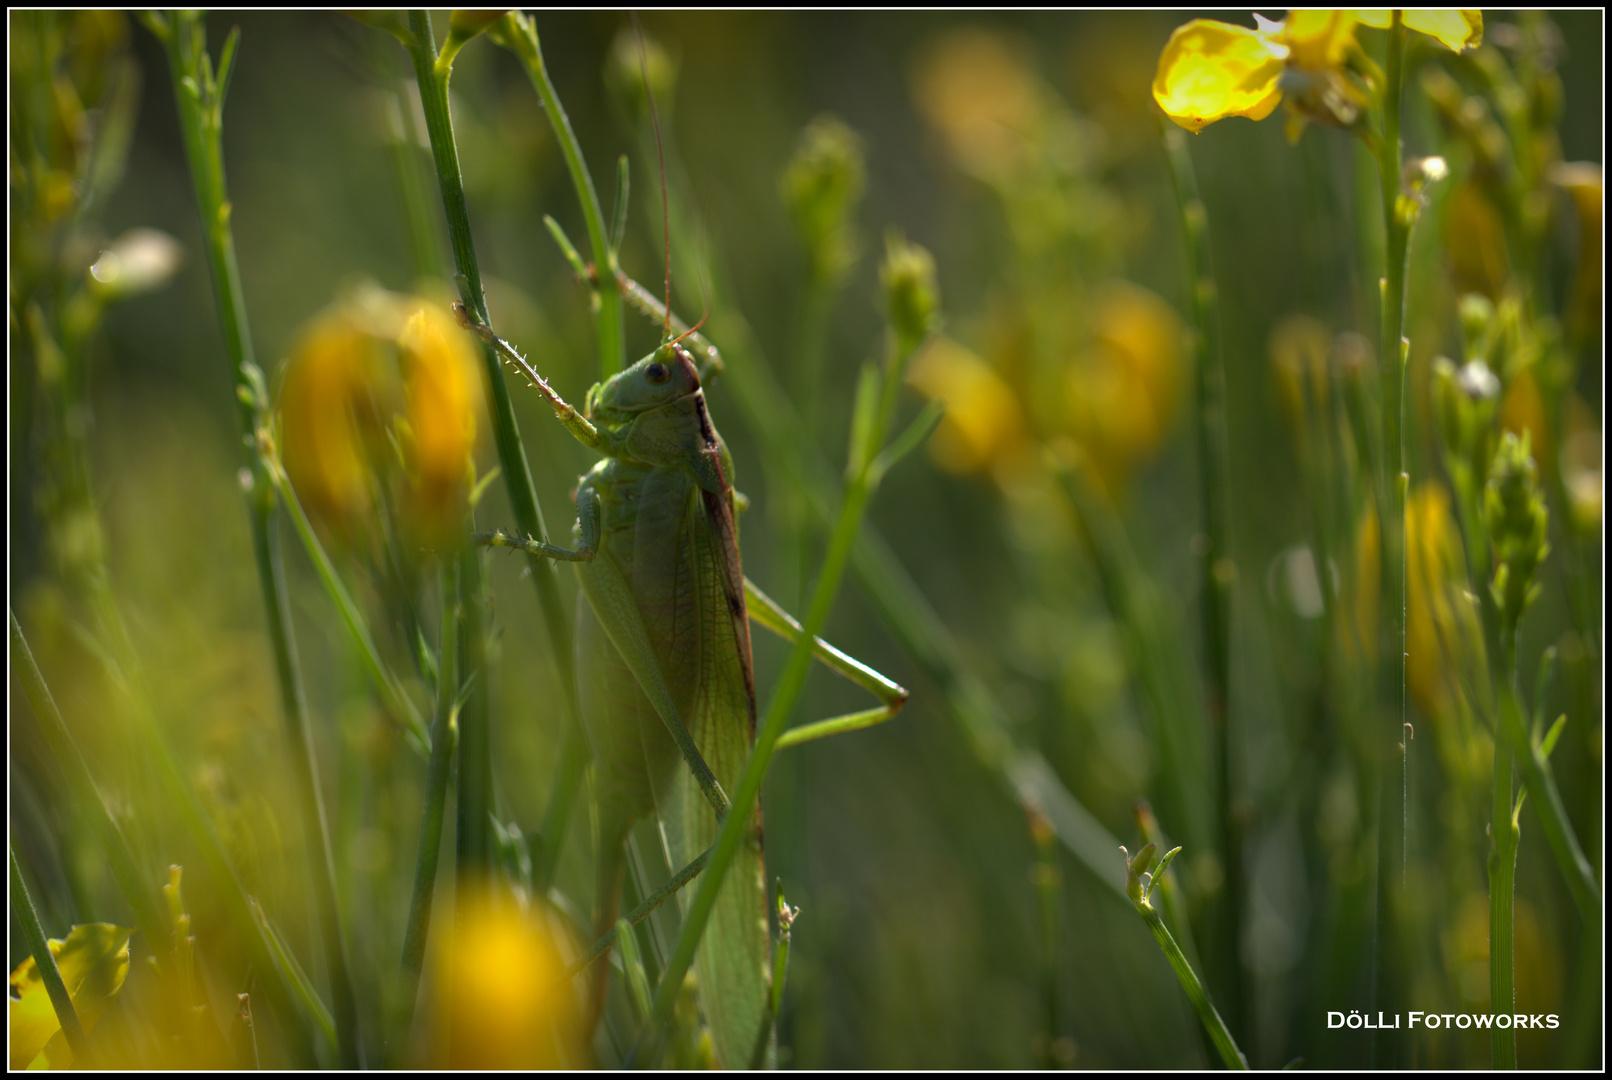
(920, 943)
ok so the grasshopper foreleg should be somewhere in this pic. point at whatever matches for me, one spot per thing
(587, 528)
(578, 425)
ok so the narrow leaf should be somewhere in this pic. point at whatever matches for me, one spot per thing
(618, 220)
(567, 248)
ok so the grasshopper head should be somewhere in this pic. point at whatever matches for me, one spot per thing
(664, 375)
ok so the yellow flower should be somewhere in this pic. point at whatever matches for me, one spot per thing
(1522, 410)
(1441, 627)
(500, 999)
(1300, 347)
(1211, 70)
(1122, 391)
(442, 385)
(328, 421)
(1475, 238)
(1582, 182)
(983, 426)
(342, 389)
(1455, 29)
(979, 90)
(93, 961)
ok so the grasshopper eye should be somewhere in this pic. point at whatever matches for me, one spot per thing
(657, 374)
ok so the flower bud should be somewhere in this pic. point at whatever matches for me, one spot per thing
(1514, 512)
(1466, 399)
(1477, 324)
(911, 298)
(821, 188)
(632, 57)
(1135, 867)
(464, 25)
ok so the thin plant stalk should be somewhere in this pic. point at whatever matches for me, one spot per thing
(1140, 885)
(432, 78)
(1394, 351)
(474, 848)
(1216, 569)
(436, 789)
(1394, 485)
(22, 906)
(136, 890)
(521, 37)
(200, 99)
(1503, 841)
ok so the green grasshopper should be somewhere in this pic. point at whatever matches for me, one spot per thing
(664, 666)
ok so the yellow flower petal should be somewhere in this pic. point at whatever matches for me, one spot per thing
(1318, 38)
(983, 422)
(93, 961)
(325, 401)
(442, 384)
(1211, 70)
(1458, 30)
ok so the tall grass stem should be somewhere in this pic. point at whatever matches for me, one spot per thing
(436, 790)
(200, 100)
(1217, 570)
(433, 83)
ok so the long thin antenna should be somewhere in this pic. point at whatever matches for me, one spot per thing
(660, 155)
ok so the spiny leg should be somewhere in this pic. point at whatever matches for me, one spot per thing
(766, 612)
(578, 425)
(587, 526)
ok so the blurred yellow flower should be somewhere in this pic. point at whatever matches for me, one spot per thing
(1535, 955)
(1211, 70)
(1475, 241)
(328, 419)
(978, 89)
(1358, 633)
(442, 385)
(375, 360)
(93, 961)
(1442, 633)
(1582, 182)
(1300, 346)
(1454, 28)
(1441, 626)
(500, 998)
(1121, 393)
(983, 426)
